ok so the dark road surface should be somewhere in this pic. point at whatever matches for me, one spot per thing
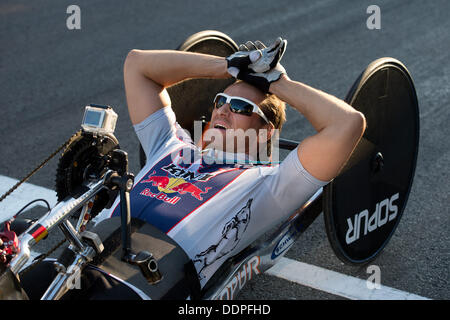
(49, 73)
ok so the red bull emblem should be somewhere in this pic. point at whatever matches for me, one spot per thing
(160, 196)
(174, 185)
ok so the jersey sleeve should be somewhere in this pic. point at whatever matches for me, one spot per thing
(290, 184)
(158, 130)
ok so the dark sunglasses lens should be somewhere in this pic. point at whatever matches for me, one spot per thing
(219, 101)
(241, 107)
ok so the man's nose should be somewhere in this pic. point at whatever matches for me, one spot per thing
(223, 110)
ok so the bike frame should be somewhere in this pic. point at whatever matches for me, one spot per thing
(236, 271)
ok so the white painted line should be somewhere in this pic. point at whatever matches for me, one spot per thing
(334, 282)
(21, 196)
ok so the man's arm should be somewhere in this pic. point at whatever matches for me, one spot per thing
(339, 127)
(148, 72)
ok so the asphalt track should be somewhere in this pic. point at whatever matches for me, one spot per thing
(48, 73)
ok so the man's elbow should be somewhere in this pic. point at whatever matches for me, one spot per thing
(131, 59)
(361, 121)
(358, 123)
(132, 54)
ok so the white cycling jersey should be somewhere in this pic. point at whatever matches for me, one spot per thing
(213, 211)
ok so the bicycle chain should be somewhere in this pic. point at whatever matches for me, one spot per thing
(28, 176)
(43, 163)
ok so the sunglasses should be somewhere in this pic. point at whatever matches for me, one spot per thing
(238, 105)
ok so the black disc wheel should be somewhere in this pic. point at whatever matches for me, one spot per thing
(364, 204)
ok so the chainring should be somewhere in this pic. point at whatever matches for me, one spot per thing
(85, 154)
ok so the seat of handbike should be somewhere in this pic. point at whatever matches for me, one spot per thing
(179, 278)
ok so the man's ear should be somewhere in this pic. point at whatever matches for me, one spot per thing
(266, 133)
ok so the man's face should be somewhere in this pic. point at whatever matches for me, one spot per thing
(236, 125)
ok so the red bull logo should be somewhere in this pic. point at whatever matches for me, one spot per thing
(160, 196)
(174, 185)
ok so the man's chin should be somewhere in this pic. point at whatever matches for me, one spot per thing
(223, 140)
(217, 145)
(214, 138)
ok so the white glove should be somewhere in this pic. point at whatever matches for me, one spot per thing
(268, 61)
(256, 57)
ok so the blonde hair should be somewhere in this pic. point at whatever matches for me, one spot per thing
(275, 110)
